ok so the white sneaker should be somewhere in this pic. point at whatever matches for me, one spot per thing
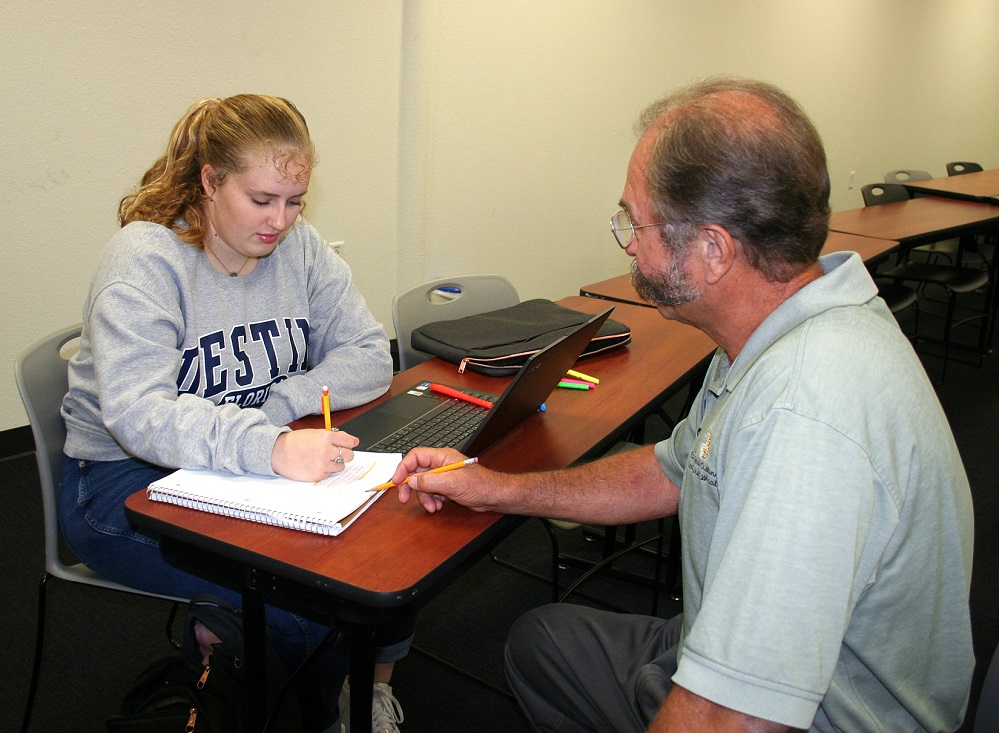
(345, 706)
(386, 712)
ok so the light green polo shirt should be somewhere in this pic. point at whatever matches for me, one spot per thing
(827, 523)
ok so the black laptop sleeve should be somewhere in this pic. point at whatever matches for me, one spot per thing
(499, 342)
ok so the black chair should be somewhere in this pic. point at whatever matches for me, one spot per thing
(883, 193)
(898, 296)
(955, 250)
(902, 175)
(945, 248)
(959, 168)
(954, 280)
(951, 250)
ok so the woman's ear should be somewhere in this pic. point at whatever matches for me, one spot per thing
(209, 180)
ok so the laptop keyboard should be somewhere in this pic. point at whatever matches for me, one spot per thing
(448, 426)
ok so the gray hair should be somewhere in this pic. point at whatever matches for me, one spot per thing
(741, 154)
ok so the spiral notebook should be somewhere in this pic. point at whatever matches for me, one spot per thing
(325, 507)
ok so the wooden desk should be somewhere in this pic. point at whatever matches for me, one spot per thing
(869, 248)
(620, 290)
(395, 557)
(930, 219)
(919, 221)
(981, 186)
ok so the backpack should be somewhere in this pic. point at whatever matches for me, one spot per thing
(499, 342)
(182, 693)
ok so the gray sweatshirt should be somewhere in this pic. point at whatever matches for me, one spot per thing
(184, 367)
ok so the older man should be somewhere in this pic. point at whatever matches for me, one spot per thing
(825, 513)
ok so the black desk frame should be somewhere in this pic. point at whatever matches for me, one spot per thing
(310, 598)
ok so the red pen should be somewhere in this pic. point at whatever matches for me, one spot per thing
(459, 395)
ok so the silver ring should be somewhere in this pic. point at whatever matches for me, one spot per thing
(339, 458)
(333, 430)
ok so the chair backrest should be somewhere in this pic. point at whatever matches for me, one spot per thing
(41, 373)
(906, 174)
(445, 299)
(987, 715)
(883, 193)
(957, 168)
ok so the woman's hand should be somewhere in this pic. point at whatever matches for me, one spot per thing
(311, 455)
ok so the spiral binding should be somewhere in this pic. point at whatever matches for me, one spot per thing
(257, 514)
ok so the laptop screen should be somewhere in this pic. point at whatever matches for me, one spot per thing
(387, 425)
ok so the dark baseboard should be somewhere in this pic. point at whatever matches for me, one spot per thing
(16, 441)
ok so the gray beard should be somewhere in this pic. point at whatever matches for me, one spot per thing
(672, 287)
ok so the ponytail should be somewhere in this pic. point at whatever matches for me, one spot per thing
(222, 133)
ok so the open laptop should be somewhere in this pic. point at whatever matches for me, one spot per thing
(421, 416)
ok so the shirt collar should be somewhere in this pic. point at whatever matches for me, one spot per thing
(844, 282)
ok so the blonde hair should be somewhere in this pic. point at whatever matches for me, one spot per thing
(225, 134)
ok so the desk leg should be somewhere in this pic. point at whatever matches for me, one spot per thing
(254, 645)
(362, 676)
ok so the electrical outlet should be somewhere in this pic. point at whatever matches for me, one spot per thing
(338, 247)
(853, 176)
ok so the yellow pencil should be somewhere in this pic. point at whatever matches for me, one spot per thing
(584, 377)
(441, 469)
(326, 407)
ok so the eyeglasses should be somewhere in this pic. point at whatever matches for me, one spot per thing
(624, 228)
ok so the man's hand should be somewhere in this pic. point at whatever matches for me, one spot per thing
(619, 489)
(311, 455)
(471, 487)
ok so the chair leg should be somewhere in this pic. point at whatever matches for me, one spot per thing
(555, 558)
(607, 562)
(659, 567)
(37, 667)
(948, 323)
(554, 577)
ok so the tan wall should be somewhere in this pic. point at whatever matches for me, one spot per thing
(454, 136)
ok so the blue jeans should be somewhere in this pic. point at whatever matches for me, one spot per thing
(92, 518)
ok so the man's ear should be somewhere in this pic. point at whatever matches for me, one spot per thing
(718, 251)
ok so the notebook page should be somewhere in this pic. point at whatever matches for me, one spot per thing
(279, 500)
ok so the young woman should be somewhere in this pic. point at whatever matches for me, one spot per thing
(214, 318)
